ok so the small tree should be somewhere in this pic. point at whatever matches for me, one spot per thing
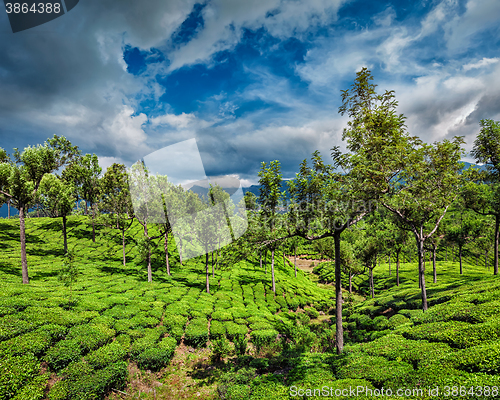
(69, 272)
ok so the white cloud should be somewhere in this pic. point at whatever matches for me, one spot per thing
(480, 64)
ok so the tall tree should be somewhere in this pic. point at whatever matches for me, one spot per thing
(486, 199)
(269, 199)
(56, 199)
(20, 179)
(115, 202)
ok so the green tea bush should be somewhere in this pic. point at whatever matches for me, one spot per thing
(482, 358)
(377, 370)
(11, 326)
(15, 373)
(312, 312)
(380, 323)
(240, 345)
(398, 320)
(91, 337)
(157, 357)
(34, 390)
(234, 330)
(108, 354)
(220, 348)
(63, 353)
(222, 315)
(174, 320)
(149, 340)
(196, 333)
(56, 315)
(261, 338)
(217, 329)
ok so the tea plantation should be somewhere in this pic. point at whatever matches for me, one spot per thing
(97, 338)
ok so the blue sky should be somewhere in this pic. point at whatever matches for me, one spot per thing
(252, 81)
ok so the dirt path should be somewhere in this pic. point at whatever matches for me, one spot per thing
(305, 264)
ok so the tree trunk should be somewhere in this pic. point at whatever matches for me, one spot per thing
(460, 258)
(65, 236)
(150, 272)
(434, 264)
(397, 268)
(166, 253)
(495, 251)
(272, 271)
(93, 224)
(421, 270)
(372, 289)
(295, 262)
(123, 248)
(206, 269)
(339, 331)
(24, 260)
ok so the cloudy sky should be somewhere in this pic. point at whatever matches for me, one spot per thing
(252, 81)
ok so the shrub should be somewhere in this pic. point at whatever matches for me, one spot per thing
(234, 330)
(35, 342)
(217, 329)
(222, 315)
(482, 358)
(196, 333)
(174, 320)
(220, 348)
(240, 345)
(149, 340)
(261, 338)
(376, 369)
(380, 323)
(35, 390)
(311, 312)
(108, 354)
(16, 372)
(12, 326)
(159, 356)
(398, 320)
(91, 337)
(63, 353)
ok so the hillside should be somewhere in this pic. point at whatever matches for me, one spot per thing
(165, 340)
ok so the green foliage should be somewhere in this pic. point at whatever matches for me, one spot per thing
(108, 354)
(265, 337)
(196, 333)
(220, 348)
(157, 357)
(15, 373)
(63, 353)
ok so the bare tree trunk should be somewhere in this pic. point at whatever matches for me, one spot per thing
(150, 272)
(495, 251)
(339, 330)
(460, 258)
(93, 224)
(397, 268)
(295, 262)
(123, 248)
(421, 270)
(272, 271)
(206, 269)
(434, 264)
(24, 260)
(372, 289)
(166, 253)
(65, 236)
